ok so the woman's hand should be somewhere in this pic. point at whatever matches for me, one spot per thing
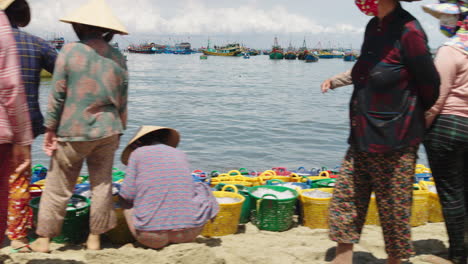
(21, 158)
(50, 142)
(325, 86)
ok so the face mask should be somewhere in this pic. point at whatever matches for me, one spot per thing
(448, 25)
(368, 7)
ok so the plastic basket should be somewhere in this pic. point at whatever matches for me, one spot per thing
(325, 183)
(38, 172)
(227, 219)
(372, 217)
(273, 214)
(121, 233)
(35, 190)
(295, 185)
(419, 207)
(435, 209)
(228, 179)
(244, 191)
(75, 226)
(315, 210)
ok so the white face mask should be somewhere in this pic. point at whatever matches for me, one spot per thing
(448, 24)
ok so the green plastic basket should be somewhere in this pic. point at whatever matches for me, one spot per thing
(273, 214)
(75, 228)
(246, 206)
(325, 183)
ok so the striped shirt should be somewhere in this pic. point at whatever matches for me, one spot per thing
(35, 54)
(164, 196)
(15, 125)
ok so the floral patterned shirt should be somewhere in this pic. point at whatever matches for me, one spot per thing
(89, 97)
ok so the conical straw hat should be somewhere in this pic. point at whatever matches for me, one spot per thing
(4, 4)
(172, 139)
(96, 13)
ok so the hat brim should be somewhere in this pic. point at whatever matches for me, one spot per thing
(437, 10)
(172, 139)
(4, 4)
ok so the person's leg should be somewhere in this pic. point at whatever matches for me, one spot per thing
(447, 169)
(100, 161)
(184, 235)
(5, 172)
(64, 170)
(348, 207)
(393, 180)
(19, 211)
(153, 239)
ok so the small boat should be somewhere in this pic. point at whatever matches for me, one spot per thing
(325, 54)
(276, 51)
(231, 50)
(142, 49)
(311, 58)
(246, 55)
(203, 57)
(349, 56)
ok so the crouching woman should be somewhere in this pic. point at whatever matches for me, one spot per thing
(162, 203)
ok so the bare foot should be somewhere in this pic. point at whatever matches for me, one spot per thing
(18, 243)
(344, 254)
(435, 260)
(41, 245)
(93, 242)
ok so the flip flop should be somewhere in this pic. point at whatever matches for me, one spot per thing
(21, 249)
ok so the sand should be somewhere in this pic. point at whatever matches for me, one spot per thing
(297, 245)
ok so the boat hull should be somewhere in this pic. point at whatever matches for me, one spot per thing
(227, 54)
(349, 58)
(311, 58)
(290, 56)
(276, 56)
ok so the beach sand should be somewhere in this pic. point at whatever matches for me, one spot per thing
(297, 245)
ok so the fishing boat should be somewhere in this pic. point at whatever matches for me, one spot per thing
(290, 53)
(233, 50)
(276, 51)
(246, 55)
(203, 57)
(303, 51)
(325, 54)
(337, 54)
(349, 57)
(311, 57)
(142, 49)
(57, 43)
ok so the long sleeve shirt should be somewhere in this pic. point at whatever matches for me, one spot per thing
(341, 79)
(89, 97)
(15, 125)
(164, 196)
(395, 81)
(452, 65)
(35, 54)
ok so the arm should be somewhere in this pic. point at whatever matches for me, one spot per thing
(128, 188)
(48, 56)
(339, 80)
(57, 94)
(419, 62)
(447, 70)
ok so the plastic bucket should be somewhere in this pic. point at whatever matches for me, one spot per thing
(244, 191)
(75, 226)
(273, 214)
(315, 210)
(419, 207)
(435, 209)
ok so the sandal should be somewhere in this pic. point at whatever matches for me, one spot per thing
(23, 249)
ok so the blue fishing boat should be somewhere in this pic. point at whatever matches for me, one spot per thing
(349, 57)
(311, 58)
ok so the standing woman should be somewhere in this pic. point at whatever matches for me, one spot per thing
(447, 141)
(86, 115)
(35, 54)
(395, 81)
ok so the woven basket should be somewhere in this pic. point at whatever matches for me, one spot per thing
(419, 207)
(372, 217)
(435, 209)
(227, 219)
(273, 214)
(315, 210)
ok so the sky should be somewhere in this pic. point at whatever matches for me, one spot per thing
(254, 23)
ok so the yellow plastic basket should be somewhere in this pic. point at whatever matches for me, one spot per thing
(435, 209)
(419, 207)
(315, 210)
(228, 217)
(228, 179)
(120, 234)
(372, 217)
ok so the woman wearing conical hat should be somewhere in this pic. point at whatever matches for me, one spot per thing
(86, 114)
(447, 140)
(163, 204)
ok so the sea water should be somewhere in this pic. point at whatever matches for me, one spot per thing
(234, 113)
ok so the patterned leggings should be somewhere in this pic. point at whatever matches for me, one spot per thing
(390, 176)
(19, 212)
